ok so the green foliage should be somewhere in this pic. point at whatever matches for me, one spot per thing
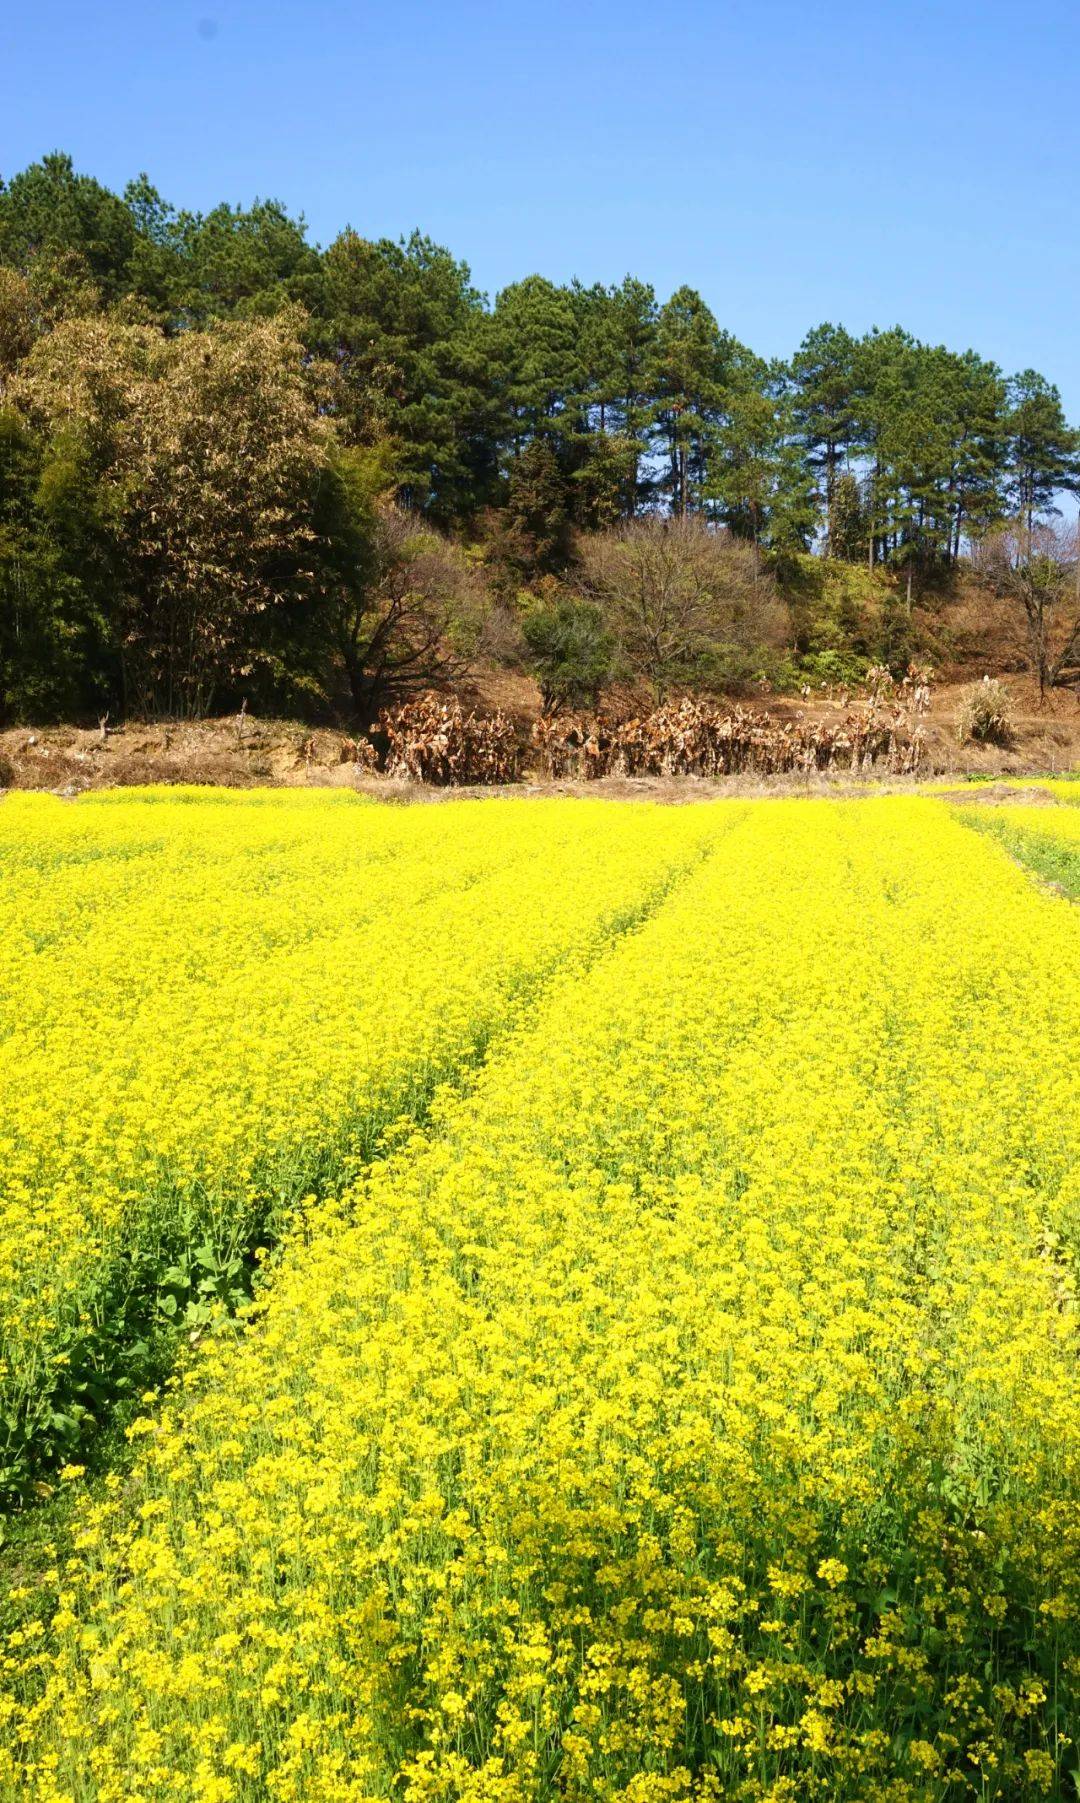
(687, 372)
(557, 409)
(617, 330)
(823, 371)
(572, 651)
(49, 210)
(56, 660)
(757, 476)
(836, 608)
(848, 525)
(832, 667)
(534, 339)
(247, 262)
(1042, 451)
(409, 335)
(538, 506)
(1055, 860)
(600, 482)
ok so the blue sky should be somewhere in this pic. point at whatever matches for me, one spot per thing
(867, 163)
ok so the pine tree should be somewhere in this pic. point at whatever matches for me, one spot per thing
(688, 366)
(823, 372)
(617, 328)
(409, 335)
(49, 211)
(847, 539)
(757, 477)
(538, 363)
(538, 507)
(1040, 448)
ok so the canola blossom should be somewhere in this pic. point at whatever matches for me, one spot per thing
(1065, 788)
(1046, 839)
(211, 1008)
(690, 1410)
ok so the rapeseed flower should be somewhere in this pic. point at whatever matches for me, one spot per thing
(689, 1409)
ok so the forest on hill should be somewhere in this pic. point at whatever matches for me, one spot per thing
(239, 468)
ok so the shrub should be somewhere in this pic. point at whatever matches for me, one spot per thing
(686, 604)
(572, 652)
(986, 714)
(833, 666)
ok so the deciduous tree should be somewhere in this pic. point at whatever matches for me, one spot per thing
(683, 600)
(1037, 570)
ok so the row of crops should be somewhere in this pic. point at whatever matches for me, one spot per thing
(1046, 840)
(662, 1382)
(212, 1010)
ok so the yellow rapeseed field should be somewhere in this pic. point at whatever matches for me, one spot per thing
(1066, 788)
(1047, 839)
(210, 1006)
(686, 1407)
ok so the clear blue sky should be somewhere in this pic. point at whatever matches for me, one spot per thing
(868, 163)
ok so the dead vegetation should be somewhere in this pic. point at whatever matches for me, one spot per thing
(999, 795)
(702, 739)
(238, 751)
(491, 736)
(986, 716)
(433, 740)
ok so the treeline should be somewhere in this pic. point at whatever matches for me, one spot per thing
(231, 462)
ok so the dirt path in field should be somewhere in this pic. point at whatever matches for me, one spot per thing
(999, 795)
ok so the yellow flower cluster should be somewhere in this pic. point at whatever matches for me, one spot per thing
(1055, 822)
(1046, 839)
(1066, 788)
(691, 1410)
(212, 1007)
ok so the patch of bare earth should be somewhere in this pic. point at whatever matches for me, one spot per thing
(999, 795)
(235, 752)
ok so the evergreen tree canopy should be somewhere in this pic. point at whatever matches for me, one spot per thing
(142, 346)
